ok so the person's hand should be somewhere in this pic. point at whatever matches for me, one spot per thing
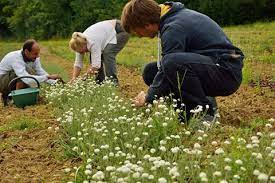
(60, 80)
(54, 76)
(72, 80)
(92, 71)
(139, 100)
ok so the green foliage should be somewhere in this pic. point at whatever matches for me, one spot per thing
(59, 18)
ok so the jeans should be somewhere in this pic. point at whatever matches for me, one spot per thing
(193, 79)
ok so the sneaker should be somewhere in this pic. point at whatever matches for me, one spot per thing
(209, 120)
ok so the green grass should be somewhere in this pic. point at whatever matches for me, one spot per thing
(21, 123)
(52, 68)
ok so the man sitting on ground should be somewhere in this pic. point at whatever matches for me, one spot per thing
(24, 62)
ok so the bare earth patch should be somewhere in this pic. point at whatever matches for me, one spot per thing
(35, 156)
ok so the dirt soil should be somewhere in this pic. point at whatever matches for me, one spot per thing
(35, 156)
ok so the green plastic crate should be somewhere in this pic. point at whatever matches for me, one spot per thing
(25, 97)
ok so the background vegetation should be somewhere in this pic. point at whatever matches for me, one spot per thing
(59, 18)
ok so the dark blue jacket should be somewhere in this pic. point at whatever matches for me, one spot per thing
(185, 30)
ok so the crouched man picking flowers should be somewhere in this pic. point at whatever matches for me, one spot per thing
(198, 61)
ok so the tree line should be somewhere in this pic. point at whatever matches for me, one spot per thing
(45, 19)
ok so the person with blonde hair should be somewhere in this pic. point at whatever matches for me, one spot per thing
(103, 41)
(198, 60)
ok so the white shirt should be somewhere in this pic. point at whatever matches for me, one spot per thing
(98, 36)
(14, 61)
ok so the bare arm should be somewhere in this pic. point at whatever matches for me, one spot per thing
(76, 72)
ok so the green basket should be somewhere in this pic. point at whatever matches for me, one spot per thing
(24, 97)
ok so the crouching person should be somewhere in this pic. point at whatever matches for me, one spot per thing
(24, 62)
(198, 59)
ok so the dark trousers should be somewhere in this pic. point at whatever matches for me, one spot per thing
(192, 78)
(108, 65)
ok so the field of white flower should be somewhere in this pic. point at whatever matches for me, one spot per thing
(116, 142)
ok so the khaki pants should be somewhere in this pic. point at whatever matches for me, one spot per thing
(4, 82)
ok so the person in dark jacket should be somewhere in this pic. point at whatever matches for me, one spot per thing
(198, 59)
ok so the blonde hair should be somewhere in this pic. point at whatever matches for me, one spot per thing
(139, 13)
(77, 41)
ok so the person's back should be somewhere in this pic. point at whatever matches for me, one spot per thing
(196, 32)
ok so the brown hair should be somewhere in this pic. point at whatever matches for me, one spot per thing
(139, 13)
(28, 44)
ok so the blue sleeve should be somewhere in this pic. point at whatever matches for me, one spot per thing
(160, 87)
(173, 40)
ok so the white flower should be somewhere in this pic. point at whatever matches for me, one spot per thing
(268, 125)
(162, 148)
(272, 135)
(89, 166)
(256, 172)
(124, 169)
(137, 139)
(227, 142)
(152, 151)
(204, 179)
(98, 175)
(162, 180)
(88, 172)
(214, 143)
(110, 168)
(202, 175)
(97, 150)
(219, 151)
(259, 134)
(147, 156)
(67, 170)
(236, 177)
(272, 178)
(259, 156)
(175, 150)
(243, 168)
(217, 173)
(164, 124)
(227, 160)
(223, 181)
(239, 162)
(187, 133)
(249, 146)
(227, 168)
(174, 172)
(197, 146)
(136, 175)
(263, 177)
(145, 175)
(75, 148)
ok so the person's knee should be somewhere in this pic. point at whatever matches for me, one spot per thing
(149, 73)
